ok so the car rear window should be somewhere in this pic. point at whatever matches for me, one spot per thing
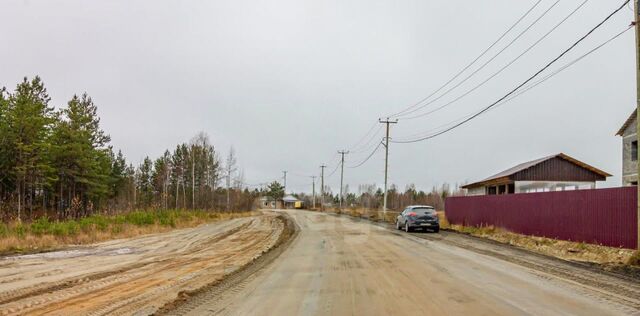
(423, 211)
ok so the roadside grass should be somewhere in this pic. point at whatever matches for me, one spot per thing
(568, 250)
(634, 260)
(45, 235)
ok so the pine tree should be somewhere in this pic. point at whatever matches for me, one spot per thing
(83, 162)
(5, 157)
(29, 119)
(118, 174)
(144, 182)
(161, 177)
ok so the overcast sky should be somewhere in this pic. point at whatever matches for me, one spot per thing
(287, 83)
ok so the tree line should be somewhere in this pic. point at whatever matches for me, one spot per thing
(59, 163)
(370, 196)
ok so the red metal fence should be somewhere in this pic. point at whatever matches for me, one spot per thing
(602, 216)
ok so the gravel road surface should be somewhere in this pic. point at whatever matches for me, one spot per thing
(343, 266)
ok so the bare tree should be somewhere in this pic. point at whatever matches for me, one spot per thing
(230, 168)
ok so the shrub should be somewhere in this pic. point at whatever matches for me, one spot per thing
(167, 220)
(90, 223)
(635, 259)
(117, 228)
(67, 228)
(140, 218)
(4, 230)
(20, 230)
(41, 226)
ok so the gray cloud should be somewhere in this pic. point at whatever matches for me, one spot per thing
(288, 83)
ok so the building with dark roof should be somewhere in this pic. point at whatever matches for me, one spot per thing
(553, 173)
(629, 135)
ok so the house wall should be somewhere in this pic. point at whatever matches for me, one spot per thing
(557, 169)
(546, 186)
(629, 167)
(605, 216)
(476, 191)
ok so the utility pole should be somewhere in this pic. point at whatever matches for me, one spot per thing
(285, 182)
(342, 152)
(322, 187)
(386, 163)
(313, 185)
(637, 27)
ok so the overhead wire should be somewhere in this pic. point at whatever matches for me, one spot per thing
(365, 135)
(484, 64)
(368, 145)
(511, 92)
(368, 157)
(334, 171)
(481, 84)
(559, 70)
(532, 85)
(471, 63)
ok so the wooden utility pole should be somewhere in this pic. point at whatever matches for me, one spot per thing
(313, 190)
(386, 163)
(285, 182)
(342, 152)
(322, 187)
(637, 27)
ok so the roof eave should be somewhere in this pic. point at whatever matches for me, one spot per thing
(627, 123)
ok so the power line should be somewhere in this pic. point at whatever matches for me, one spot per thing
(530, 86)
(561, 69)
(367, 146)
(409, 110)
(368, 157)
(334, 171)
(523, 83)
(481, 84)
(472, 62)
(365, 135)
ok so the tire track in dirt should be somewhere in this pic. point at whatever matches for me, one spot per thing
(12, 296)
(215, 293)
(146, 285)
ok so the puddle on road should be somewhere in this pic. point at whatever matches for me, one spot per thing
(74, 253)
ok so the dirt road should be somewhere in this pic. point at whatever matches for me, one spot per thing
(135, 276)
(342, 266)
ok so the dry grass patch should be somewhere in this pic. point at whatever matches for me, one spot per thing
(45, 235)
(634, 260)
(568, 250)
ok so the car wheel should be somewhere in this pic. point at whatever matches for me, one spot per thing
(397, 224)
(436, 230)
(406, 227)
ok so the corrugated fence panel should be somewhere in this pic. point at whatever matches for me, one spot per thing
(602, 216)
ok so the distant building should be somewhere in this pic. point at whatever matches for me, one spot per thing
(554, 173)
(291, 201)
(267, 202)
(629, 135)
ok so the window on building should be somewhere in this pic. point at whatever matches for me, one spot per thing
(634, 151)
